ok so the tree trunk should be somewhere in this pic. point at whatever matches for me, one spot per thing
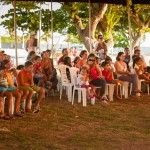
(84, 32)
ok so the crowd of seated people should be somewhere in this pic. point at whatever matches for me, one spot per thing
(102, 72)
(38, 73)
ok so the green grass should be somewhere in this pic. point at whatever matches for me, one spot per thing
(122, 125)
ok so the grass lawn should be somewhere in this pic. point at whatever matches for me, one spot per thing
(123, 125)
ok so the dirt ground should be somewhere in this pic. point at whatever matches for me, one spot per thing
(122, 125)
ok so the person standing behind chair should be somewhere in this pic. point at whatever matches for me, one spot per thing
(124, 75)
(31, 44)
(101, 48)
(64, 53)
(127, 57)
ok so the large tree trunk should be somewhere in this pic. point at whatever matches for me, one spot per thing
(137, 40)
(84, 32)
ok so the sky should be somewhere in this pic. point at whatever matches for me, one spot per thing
(4, 9)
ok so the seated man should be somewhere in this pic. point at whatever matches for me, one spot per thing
(25, 81)
(64, 53)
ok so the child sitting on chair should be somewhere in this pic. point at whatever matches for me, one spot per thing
(138, 65)
(39, 75)
(83, 81)
(108, 73)
(25, 81)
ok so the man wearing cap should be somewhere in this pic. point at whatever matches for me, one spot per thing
(31, 44)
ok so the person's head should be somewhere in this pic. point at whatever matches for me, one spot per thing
(105, 65)
(45, 54)
(100, 38)
(120, 56)
(67, 61)
(31, 55)
(126, 51)
(49, 52)
(83, 71)
(6, 63)
(83, 54)
(91, 60)
(109, 60)
(98, 61)
(137, 52)
(77, 58)
(136, 47)
(137, 61)
(38, 59)
(20, 67)
(65, 52)
(28, 66)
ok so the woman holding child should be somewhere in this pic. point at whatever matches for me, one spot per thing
(95, 75)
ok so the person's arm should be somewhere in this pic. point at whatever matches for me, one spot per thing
(117, 66)
(139, 69)
(20, 78)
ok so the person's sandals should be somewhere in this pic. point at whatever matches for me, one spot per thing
(18, 114)
(118, 97)
(138, 91)
(28, 110)
(36, 110)
(8, 117)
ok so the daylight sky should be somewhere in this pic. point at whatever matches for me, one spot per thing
(4, 9)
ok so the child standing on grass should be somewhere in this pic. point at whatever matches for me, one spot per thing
(25, 81)
(83, 81)
(108, 73)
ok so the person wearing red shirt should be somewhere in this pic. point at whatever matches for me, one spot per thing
(108, 73)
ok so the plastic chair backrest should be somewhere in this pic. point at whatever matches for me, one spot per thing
(73, 74)
(63, 74)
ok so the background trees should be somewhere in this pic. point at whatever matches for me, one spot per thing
(72, 19)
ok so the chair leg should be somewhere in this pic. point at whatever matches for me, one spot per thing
(125, 87)
(60, 91)
(111, 92)
(84, 99)
(73, 96)
(148, 88)
(79, 96)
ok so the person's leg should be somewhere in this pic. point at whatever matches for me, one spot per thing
(28, 101)
(9, 98)
(41, 94)
(24, 95)
(28, 98)
(1, 108)
(103, 86)
(132, 79)
(17, 96)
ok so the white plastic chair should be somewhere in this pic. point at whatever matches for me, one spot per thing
(65, 82)
(110, 91)
(81, 91)
(139, 86)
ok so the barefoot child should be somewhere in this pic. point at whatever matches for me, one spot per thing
(83, 81)
(25, 81)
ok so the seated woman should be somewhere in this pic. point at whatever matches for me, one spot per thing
(138, 65)
(95, 76)
(124, 75)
